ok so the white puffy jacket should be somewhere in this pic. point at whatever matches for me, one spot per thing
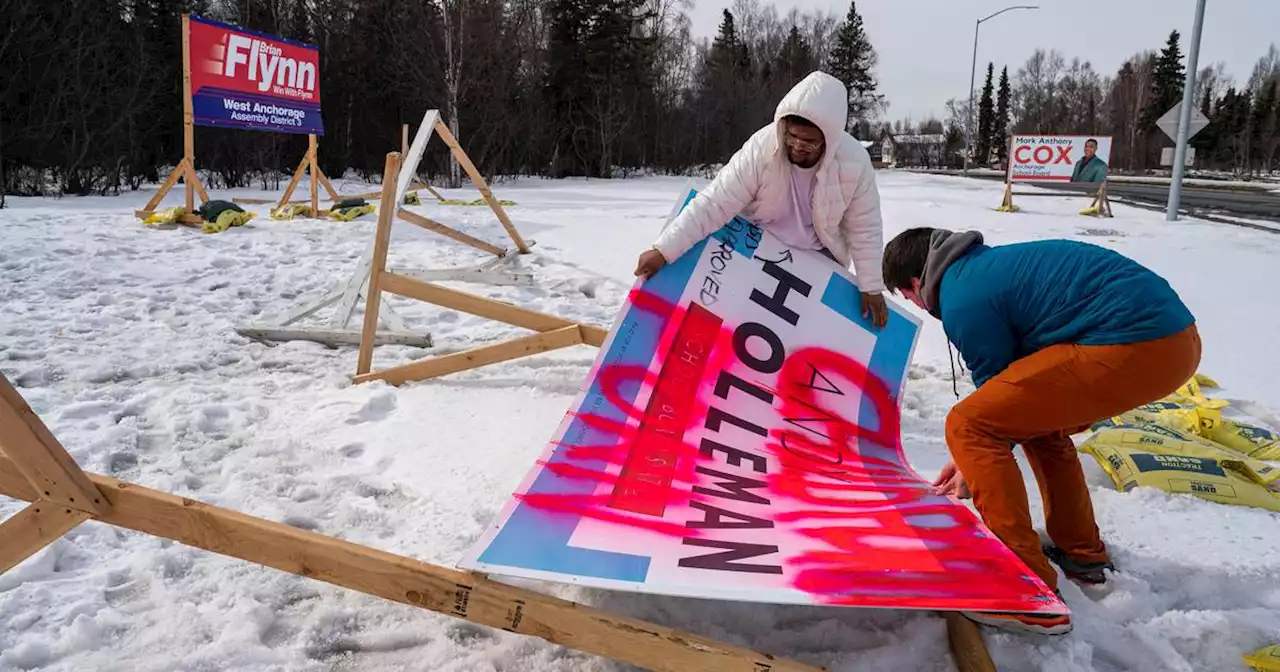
(756, 183)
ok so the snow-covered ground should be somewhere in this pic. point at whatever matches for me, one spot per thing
(122, 339)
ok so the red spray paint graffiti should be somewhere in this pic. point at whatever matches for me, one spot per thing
(883, 531)
(876, 548)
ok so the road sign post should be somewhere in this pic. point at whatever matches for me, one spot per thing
(1184, 116)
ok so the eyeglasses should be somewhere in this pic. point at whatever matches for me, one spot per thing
(802, 145)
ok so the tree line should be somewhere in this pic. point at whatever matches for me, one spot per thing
(1051, 96)
(91, 91)
(91, 95)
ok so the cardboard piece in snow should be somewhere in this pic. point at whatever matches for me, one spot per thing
(738, 438)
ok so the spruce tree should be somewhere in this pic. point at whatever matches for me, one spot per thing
(1166, 82)
(851, 60)
(986, 119)
(729, 55)
(1262, 124)
(795, 59)
(1000, 128)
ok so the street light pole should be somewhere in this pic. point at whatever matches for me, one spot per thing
(973, 68)
(1184, 117)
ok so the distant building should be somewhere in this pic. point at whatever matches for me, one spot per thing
(876, 150)
(914, 151)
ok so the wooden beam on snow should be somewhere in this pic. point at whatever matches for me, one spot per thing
(483, 307)
(434, 367)
(449, 232)
(39, 457)
(459, 594)
(33, 528)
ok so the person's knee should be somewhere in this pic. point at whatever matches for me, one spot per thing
(963, 420)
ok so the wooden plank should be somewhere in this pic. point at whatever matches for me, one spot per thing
(13, 481)
(437, 227)
(478, 305)
(195, 180)
(381, 242)
(967, 645)
(435, 367)
(33, 528)
(445, 134)
(433, 191)
(460, 594)
(40, 458)
(293, 183)
(334, 337)
(315, 174)
(188, 117)
(324, 179)
(178, 171)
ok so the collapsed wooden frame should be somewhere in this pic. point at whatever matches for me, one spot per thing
(36, 468)
(553, 332)
(499, 270)
(431, 125)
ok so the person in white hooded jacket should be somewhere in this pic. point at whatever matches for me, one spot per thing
(803, 179)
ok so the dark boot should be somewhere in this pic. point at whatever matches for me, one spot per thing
(1085, 573)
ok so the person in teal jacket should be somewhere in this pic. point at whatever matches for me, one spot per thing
(1090, 168)
(1059, 334)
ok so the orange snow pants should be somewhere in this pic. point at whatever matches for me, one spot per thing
(1038, 402)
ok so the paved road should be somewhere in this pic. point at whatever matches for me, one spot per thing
(1196, 201)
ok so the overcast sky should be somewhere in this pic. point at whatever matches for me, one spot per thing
(926, 46)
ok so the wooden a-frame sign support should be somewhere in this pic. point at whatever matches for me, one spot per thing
(186, 168)
(310, 164)
(36, 468)
(552, 332)
(500, 270)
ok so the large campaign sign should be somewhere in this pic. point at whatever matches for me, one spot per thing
(246, 79)
(738, 438)
(1059, 158)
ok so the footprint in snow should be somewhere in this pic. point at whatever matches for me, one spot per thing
(376, 408)
(119, 463)
(352, 450)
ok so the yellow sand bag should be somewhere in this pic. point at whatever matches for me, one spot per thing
(1221, 481)
(1192, 392)
(1266, 659)
(1158, 439)
(291, 210)
(350, 213)
(228, 219)
(1184, 418)
(1256, 442)
(166, 216)
(412, 198)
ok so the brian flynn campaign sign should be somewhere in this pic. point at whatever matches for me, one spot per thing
(246, 79)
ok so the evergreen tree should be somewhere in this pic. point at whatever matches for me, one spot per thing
(566, 82)
(1000, 128)
(724, 92)
(795, 60)
(852, 60)
(1166, 82)
(1262, 126)
(986, 119)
